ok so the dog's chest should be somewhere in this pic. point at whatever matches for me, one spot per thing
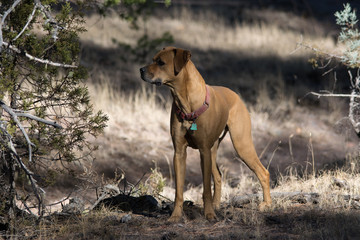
(191, 139)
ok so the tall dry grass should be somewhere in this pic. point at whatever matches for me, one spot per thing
(208, 31)
(141, 114)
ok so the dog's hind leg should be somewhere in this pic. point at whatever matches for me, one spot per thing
(240, 133)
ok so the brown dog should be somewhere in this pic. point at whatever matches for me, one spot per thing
(200, 113)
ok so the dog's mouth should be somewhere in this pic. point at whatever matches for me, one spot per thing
(157, 82)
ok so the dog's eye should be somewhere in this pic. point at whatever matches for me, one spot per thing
(160, 63)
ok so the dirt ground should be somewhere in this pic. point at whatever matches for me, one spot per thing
(299, 221)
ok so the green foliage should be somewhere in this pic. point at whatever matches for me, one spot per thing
(346, 17)
(131, 11)
(54, 93)
(144, 47)
(349, 35)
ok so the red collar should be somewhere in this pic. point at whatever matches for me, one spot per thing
(195, 114)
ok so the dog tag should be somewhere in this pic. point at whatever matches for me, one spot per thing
(193, 127)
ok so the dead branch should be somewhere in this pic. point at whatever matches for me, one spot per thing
(298, 197)
(301, 44)
(240, 201)
(333, 95)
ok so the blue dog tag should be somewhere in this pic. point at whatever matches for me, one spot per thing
(193, 127)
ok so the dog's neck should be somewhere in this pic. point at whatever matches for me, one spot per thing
(189, 91)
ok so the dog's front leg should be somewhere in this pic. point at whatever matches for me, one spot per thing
(206, 167)
(179, 167)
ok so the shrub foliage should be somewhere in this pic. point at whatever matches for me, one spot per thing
(41, 76)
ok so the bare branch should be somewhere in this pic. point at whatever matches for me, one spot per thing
(28, 22)
(333, 95)
(54, 124)
(329, 55)
(15, 116)
(6, 13)
(16, 120)
(45, 61)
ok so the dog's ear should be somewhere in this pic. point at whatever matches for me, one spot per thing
(180, 59)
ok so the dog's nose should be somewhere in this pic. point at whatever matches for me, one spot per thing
(142, 70)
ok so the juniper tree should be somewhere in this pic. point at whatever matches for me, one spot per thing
(45, 109)
(350, 36)
(350, 57)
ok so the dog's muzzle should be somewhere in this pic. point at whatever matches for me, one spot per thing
(144, 77)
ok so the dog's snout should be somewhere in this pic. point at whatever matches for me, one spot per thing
(142, 70)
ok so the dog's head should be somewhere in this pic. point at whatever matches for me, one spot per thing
(166, 66)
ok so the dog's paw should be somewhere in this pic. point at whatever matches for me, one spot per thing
(174, 219)
(211, 217)
(264, 206)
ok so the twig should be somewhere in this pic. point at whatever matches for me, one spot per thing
(333, 95)
(329, 55)
(290, 148)
(25, 205)
(266, 147)
(311, 149)
(273, 154)
(28, 22)
(61, 201)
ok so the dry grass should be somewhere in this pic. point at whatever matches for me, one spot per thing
(208, 32)
(136, 115)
